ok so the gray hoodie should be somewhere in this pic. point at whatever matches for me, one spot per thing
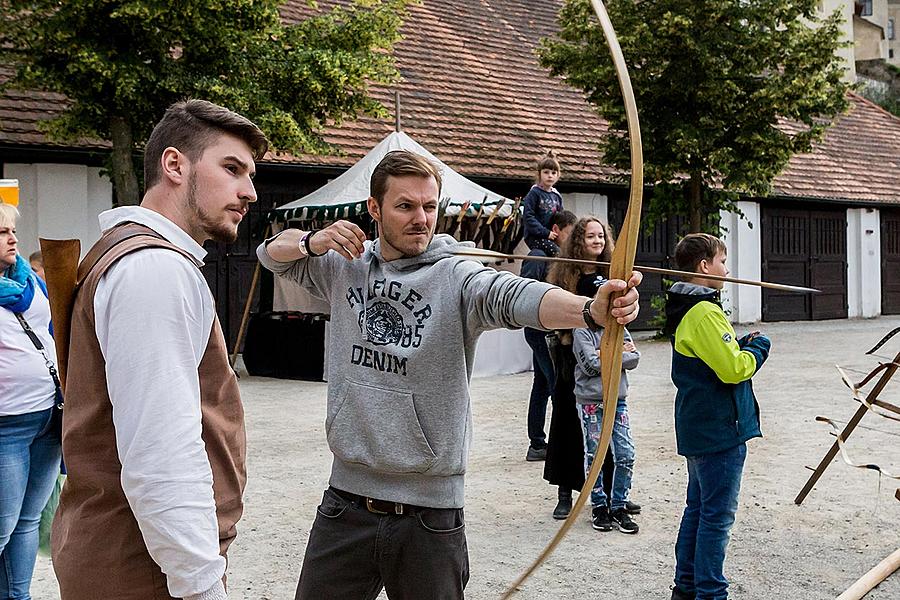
(588, 385)
(400, 352)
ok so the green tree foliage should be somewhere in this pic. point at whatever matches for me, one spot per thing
(122, 62)
(727, 91)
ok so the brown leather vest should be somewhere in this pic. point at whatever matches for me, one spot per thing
(98, 550)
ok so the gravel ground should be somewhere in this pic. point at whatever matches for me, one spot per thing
(778, 550)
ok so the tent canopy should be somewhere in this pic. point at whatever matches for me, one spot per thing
(346, 196)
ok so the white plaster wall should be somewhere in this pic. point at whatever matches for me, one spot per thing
(847, 54)
(60, 202)
(586, 203)
(863, 262)
(880, 13)
(744, 244)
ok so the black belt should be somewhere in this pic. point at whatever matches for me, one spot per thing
(375, 506)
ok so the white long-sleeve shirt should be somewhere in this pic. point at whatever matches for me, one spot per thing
(154, 313)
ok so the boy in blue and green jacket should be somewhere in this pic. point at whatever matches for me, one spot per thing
(715, 414)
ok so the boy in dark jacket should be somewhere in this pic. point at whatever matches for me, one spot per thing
(715, 414)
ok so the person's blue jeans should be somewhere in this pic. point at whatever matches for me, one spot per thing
(29, 464)
(541, 387)
(714, 481)
(622, 446)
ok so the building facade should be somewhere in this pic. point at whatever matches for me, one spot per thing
(473, 94)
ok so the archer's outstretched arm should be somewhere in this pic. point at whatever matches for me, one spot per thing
(563, 310)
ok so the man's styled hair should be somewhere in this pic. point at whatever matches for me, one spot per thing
(8, 215)
(696, 247)
(563, 218)
(192, 126)
(401, 163)
(36, 257)
(548, 161)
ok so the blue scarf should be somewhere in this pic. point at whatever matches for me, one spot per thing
(17, 286)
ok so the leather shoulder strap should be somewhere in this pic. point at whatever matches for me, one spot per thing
(115, 236)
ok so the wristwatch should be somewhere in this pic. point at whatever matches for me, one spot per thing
(588, 319)
(303, 245)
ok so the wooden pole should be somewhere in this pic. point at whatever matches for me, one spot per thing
(876, 575)
(246, 316)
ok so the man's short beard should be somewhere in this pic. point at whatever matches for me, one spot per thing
(214, 230)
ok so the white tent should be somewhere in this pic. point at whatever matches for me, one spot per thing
(500, 351)
(346, 195)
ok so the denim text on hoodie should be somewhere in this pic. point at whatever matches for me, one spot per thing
(400, 352)
(715, 408)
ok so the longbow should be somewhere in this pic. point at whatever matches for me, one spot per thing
(620, 267)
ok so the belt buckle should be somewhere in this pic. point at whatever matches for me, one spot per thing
(370, 506)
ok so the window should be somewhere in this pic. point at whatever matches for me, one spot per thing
(890, 28)
(866, 8)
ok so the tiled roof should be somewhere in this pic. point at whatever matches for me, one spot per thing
(21, 111)
(473, 93)
(858, 160)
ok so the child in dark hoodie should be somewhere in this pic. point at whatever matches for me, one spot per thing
(541, 202)
(715, 414)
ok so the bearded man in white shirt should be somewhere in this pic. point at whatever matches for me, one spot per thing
(153, 432)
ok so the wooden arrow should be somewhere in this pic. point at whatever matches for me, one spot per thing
(479, 253)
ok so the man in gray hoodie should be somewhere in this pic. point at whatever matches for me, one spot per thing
(406, 315)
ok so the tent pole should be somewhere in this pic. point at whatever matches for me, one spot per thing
(396, 110)
(245, 317)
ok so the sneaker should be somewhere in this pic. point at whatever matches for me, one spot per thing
(623, 520)
(632, 508)
(564, 506)
(677, 594)
(600, 519)
(536, 454)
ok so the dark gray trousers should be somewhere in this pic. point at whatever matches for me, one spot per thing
(353, 553)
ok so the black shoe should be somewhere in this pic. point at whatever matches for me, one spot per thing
(623, 521)
(632, 508)
(677, 594)
(536, 454)
(600, 519)
(564, 506)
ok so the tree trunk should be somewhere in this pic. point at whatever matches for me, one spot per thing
(694, 203)
(123, 175)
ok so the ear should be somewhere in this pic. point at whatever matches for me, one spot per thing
(374, 209)
(554, 228)
(174, 165)
(703, 266)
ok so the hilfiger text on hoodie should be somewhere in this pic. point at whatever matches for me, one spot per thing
(382, 324)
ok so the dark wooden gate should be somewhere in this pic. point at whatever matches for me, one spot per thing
(890, 262)
(806, 247)
(229, 267)
(654, 249)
